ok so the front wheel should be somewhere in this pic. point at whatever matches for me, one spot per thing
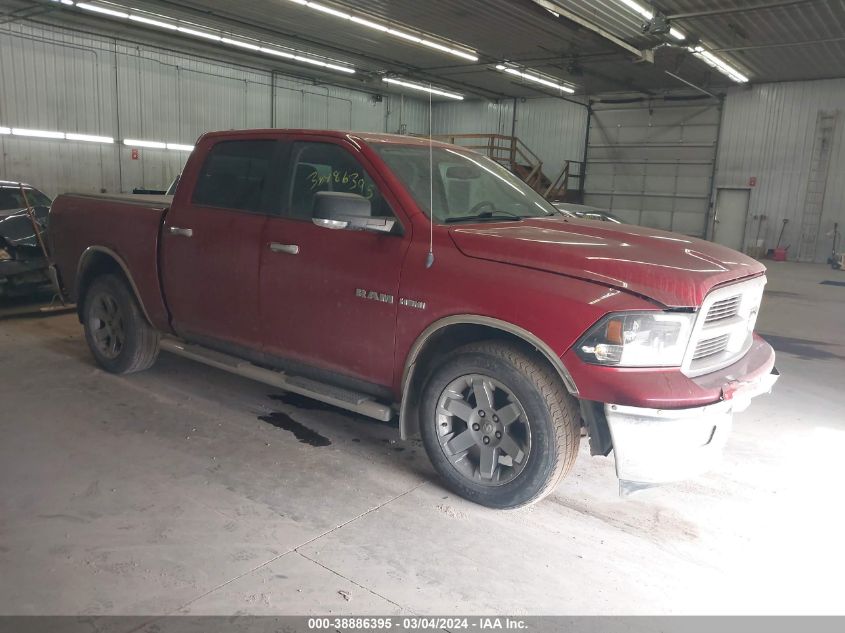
(117, 333)
(498, 425)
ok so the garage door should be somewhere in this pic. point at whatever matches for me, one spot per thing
(653, 164)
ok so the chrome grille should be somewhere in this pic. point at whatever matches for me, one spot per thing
(722, 333)
(724, 309)
(711, 346)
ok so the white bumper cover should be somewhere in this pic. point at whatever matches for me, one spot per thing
(654, 446)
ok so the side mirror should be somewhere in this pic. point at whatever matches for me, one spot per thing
(340, 210)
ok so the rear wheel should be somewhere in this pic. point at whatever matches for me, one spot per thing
(498, 425)
(117, 333)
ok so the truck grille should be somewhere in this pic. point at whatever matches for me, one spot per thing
(724, 309)
(722, 333)
(710, 346)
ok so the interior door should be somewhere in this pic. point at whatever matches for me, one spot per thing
(730, 219)
(329, 296)
(211, 242)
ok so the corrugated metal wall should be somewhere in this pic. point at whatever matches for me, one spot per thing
(56, 79)
(768, 133)
(554, 129)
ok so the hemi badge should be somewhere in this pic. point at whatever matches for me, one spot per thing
(410, 303)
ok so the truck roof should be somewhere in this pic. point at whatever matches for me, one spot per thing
(367, 137)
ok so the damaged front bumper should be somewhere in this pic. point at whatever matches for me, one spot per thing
(654, 446)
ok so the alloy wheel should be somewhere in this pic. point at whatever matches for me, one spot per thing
(483, 430)
(106, 324)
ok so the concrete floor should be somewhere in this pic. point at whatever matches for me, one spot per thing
(164, 492)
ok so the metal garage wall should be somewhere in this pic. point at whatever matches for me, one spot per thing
(652, 163)
(470, 117)
(57, 79)
(768, 133)
(554, 129)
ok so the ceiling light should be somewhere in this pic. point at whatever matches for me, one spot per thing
(315, 62)
(535, 78)
(719, 64)
(208, 36)
(368, 23)
(405, 36)
(436, 46)
(88, 138)
(131, 142)
(416, 38)
(343, 69)
(423, 88)
(182, 148)
(677, 34)
(37, 133)
(5, 130)
(98, 9)
(148, 21)
(278, 53)
(240, 44)
(329, 10)
(459, 53)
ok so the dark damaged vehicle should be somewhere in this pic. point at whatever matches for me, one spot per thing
(23, 267)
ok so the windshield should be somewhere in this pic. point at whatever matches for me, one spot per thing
(10, 198)
(467, 187)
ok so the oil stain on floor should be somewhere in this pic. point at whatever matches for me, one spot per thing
(300, 431)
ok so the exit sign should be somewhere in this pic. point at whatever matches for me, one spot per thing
(752, 182)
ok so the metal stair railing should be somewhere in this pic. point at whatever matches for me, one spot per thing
(513, 154)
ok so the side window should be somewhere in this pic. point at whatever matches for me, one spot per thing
(235, 174)
(327, 167)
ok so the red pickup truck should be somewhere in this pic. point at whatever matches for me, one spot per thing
(386, 274)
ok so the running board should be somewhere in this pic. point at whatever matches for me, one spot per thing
(343, 398)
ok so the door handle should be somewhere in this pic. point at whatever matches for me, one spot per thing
(175, 230)
(289, 249)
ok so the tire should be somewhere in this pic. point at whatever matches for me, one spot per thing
(117, 333)
(533, 423)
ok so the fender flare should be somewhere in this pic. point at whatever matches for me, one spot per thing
(406, 423)
(92, 250)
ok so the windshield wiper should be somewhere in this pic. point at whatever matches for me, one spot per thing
(486, 215)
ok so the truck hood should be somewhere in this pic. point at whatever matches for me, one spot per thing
(672, 269)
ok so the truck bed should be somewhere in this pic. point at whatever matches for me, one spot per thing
(126, 228)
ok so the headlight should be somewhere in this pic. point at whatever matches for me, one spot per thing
(5, 254)
(638, 339)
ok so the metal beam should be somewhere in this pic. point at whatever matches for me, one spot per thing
(554, 7)
(759, 7)
(755, 47)
(690, 84)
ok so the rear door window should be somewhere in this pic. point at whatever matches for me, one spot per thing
(235, 175)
